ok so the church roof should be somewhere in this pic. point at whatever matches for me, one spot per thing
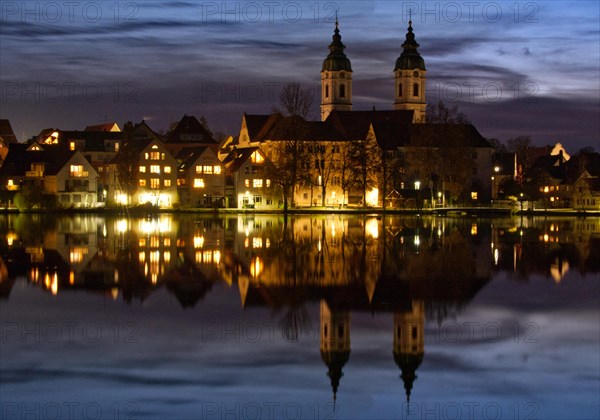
(410, 58)
(445, 135)
(336, 60)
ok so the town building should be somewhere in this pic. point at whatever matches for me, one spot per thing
(373, 158)
(47, 173)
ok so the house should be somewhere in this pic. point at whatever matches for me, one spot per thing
(7, 136)
(66, 174)
(249, 181)
(156, 176)
(188, 132)
(200, 178)
(582, 181)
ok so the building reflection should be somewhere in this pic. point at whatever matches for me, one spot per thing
(411, 268)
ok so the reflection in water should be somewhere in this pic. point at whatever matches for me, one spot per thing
(412, 268)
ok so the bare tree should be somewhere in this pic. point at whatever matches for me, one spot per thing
(440, 113)
(296, 100)
(291, 150)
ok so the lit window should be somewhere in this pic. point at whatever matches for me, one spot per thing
(72, 145)
(146, 156)
(180, 182)
(198, 169)
(143, 169)
(155, 147)
(155, 169)
(474, 195)
(154, 155)
(257, 183)
(268, 183)
(247, 183)
(155, 183)
(77, 170)
(256, 157)
(167, 169)
(162, 156)
(198, 183)
(117, 145)
(207, 169)
(10, 183)
(142, 182)
(167, 182)
(217, 170)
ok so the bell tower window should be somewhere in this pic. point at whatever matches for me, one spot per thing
(327, 91)
(342, 91)
(400, 90)
(416, 90)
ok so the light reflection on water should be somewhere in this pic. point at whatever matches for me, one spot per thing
(310, 317)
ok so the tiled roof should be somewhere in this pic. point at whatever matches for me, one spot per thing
(189, 130)
(444, 135)
(102, 127)
(238, 157)
(6, 132)
(19, 160)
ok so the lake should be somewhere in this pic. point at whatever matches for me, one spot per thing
(312, 317)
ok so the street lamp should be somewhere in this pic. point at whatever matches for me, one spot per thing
(418, 188)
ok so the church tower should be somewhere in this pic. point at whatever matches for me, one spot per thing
(409, 343)
(409, 77)
(335, 343)
(336, 78)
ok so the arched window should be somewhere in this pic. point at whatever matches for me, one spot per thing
(327, 91)
(416, 89)
(400, 90)
(342, 90)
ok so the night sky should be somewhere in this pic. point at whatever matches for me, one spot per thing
(515, 68)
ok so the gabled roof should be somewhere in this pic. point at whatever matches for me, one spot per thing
(7, 135)
(94, 140)
(234, 161)
(110, 126)
(189, 130)
(355, 125)
(18, 160)
(447, 135)
(259, 125)
(298, 129)
(188, 156)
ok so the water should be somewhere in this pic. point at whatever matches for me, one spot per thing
(334, 316)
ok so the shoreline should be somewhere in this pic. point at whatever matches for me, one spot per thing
(445, 212)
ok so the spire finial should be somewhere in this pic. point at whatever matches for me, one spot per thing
(409, 17)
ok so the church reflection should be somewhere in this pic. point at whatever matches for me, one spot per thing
(414, 269)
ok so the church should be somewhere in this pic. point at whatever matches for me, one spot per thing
(379, 158)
